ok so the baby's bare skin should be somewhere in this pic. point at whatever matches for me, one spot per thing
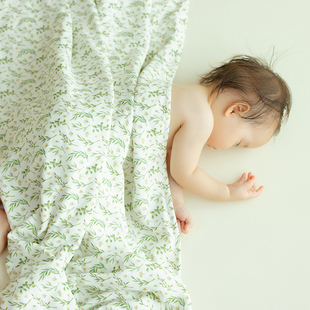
(182, 98)
(199, 118)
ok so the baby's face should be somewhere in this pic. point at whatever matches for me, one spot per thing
(231, 130)
(229, 133)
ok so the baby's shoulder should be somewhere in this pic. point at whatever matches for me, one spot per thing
(192, 101)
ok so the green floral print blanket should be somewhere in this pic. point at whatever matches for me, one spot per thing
(84, 118)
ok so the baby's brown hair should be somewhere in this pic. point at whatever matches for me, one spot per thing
(264, 90)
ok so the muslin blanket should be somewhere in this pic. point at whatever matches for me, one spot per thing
(84, 118)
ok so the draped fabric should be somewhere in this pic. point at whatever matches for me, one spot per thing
(84, 120)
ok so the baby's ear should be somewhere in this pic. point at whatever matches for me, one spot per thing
(238, 108)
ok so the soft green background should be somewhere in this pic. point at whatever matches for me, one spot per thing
(253, 255)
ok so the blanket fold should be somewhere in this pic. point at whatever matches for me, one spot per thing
(84, 117)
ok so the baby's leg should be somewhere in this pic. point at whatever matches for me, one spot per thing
(4, 229)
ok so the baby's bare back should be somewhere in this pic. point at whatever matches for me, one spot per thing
(187, 99)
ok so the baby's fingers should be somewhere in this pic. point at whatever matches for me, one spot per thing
(188, 225)
(250, 184)
(185, 228)
(260, 190)
(242, 178)
(257, 192)
(250, 175)
(253, 181)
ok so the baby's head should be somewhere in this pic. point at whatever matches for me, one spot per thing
(264, 91)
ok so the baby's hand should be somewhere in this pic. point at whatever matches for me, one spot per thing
(244, 188)
(184, 219)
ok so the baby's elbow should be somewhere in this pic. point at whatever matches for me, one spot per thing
(180, 175)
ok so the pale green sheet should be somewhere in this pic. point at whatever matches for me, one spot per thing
(84, 118)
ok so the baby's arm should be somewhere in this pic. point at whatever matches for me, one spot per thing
(186, 149)
(184, 219)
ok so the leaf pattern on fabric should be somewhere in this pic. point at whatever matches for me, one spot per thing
(85, 110)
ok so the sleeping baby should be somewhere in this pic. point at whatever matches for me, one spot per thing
(241, 103)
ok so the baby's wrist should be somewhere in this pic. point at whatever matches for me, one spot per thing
(178, 204)
(229, 194)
